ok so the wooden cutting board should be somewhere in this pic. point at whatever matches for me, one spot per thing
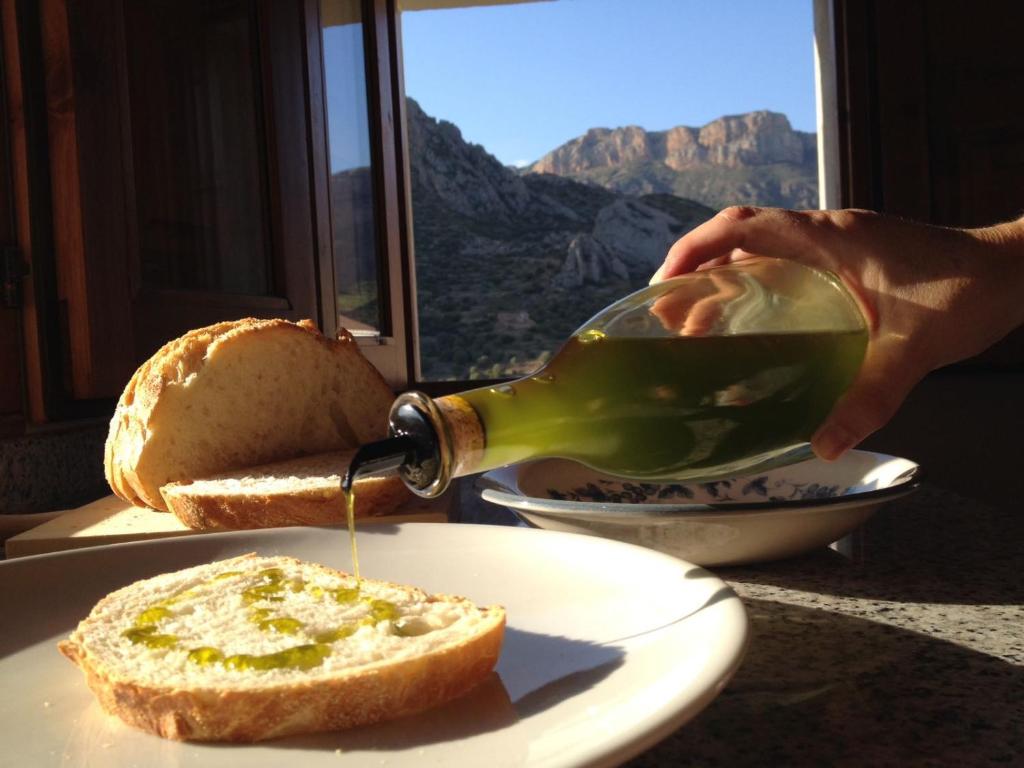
(110, 520)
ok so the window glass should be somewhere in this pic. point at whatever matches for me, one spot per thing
(353, 228)
(557, 149)
(198, 145)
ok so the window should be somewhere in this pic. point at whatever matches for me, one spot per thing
(359, 174)
(354, 242)
(557, 149)
(427, 173)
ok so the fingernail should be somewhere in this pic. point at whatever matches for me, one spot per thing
(831, 442)
(656, 277)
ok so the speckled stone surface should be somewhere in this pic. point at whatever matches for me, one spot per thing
(52, 470)
(909, 652)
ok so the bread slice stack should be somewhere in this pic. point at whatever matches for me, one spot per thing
(304, 491)
(256, 648)
(238, 398)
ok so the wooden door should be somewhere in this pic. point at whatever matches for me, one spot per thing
(180, 169)
(933, 128)
(12, 409)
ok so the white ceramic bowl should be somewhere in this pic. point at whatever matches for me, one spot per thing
(768, 516)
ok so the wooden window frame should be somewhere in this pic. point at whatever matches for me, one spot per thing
(94, 211)
(40, 361)
(388, 349)
(71, 247)
(12, 406)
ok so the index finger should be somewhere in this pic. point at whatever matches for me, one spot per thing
(762, 231)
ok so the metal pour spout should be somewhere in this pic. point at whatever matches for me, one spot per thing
(383, 457)
(412, 450)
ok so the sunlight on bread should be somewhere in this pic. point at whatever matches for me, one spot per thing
(236, 396)
(255, 648)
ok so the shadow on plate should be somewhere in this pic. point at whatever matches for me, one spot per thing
(535, 672)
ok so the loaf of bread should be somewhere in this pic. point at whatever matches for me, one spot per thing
(240, 394)
(303, 491)
(256, 648)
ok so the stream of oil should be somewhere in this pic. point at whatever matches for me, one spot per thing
(350, 514)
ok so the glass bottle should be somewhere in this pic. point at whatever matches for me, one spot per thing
(711, 374)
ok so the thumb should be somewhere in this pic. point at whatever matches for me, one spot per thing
(885, 379)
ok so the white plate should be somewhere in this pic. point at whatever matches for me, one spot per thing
(771, 515)
(609, 647)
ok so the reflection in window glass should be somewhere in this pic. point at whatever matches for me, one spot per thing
(351, 180)
(558, 149)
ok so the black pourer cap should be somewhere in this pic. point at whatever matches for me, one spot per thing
(412, 451)
(380, 458)
(423, 466)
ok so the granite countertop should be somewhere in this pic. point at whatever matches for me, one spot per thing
(908, 652)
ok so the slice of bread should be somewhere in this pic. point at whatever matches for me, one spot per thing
(303, 491)
(240, 394)
(256, 648)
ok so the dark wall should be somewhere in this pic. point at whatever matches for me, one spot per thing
(933, 122)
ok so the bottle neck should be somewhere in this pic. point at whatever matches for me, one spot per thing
(415, 448)
(430, 443)
(450, 436)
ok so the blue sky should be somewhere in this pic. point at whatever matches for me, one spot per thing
(523, 79)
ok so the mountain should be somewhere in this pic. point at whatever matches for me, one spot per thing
(509, 265)
(755, 158)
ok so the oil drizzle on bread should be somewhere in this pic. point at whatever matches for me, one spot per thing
(270, 588)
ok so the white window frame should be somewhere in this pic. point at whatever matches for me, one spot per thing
(827, 105)
(827, 123)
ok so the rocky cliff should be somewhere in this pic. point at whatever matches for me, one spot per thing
(752, 158)
(509, 265)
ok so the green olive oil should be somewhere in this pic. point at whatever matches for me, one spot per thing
(671, 407)
(272, 583)
(350, 516)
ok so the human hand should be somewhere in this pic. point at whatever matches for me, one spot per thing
(930, 295)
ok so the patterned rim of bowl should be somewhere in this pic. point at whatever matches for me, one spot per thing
(501, 486)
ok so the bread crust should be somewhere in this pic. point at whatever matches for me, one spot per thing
(139, 397)
(202, 511)
(367, 694)
(384, 692)
(135, 476)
